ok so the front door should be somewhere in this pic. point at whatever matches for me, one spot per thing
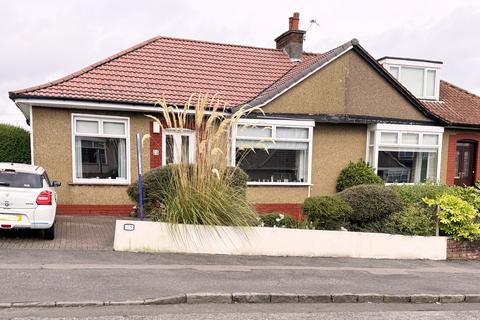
(465, 164)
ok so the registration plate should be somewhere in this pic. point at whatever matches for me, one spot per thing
(10, 217)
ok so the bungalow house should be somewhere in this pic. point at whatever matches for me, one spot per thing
(321, 109)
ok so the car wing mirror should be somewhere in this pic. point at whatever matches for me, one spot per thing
(56, 184)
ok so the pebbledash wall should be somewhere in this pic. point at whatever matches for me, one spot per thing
(52, 141)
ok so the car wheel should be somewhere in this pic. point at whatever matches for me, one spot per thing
(49, 234)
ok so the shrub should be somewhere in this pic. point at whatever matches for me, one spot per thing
(14, 144)
(155, 184)
(371, 202)
(457, 217)
(278, 220)
(327, 213)
(414, 220)
(355, 174)
(413, 194)
(468, 194)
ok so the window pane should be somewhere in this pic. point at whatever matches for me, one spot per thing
(100, 158)
(292, 133)
(169, 149)
(430, 139)
(430, 83)
(389, 137)
(412, 78)
(84, 126)
(371, 137)
(114, 128)
(278, 165)
(257, 131)
(279, 145)
(394, 71)
(185, 149)
(407, 167)
(410, 138)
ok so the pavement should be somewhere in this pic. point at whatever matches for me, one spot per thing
(254, 312)
(71, 232)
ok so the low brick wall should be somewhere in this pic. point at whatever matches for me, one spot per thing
(463, 250)
(94, 210)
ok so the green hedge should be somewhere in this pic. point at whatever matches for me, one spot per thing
(14, 144)
(371, 202)
(355, 174)
(327, 213)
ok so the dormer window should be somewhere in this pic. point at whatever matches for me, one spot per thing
(421, 77)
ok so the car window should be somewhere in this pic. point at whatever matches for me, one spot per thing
(14, 179)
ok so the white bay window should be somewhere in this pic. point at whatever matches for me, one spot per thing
(100, 149)
(405, 153)
(274, 152)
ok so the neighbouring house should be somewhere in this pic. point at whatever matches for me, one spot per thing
(322, 111)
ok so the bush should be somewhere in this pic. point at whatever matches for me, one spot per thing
(413, 220)
(468, 194)
(327, 213)
(157, 185)
(14, 144)
(278, 220)
(457, 217)
(371, 202)
(355, 174)
(413, 194)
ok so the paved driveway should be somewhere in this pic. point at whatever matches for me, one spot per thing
(71, 232)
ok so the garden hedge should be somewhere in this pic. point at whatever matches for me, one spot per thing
(327, 213)
(14, 144)
(355, 174)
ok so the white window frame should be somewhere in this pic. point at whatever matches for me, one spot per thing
(399, 130)
(425, 71)
(305, 124)
(101, 119)
(177, 140)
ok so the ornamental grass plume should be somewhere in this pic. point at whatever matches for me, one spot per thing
(205, 192)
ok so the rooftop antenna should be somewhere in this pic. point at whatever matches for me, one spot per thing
(312, 22)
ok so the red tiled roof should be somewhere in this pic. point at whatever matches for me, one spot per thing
(456, 106)
(173, 69)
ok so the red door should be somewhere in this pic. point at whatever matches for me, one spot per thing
(465, 164)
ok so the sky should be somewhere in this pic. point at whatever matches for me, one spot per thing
(41, 41)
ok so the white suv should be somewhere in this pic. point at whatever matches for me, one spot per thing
(27, 198)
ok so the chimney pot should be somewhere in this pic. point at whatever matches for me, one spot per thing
(293, 21)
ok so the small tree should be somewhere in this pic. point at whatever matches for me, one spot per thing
(355, 174)
(14, 144)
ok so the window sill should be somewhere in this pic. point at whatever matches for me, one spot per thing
(99, 183)
(285, 184)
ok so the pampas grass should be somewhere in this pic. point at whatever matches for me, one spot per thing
(204, 193)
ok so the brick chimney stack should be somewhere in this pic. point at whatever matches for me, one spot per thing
(291, 41)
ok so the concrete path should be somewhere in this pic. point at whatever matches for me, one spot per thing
(71, 232)
(80, 275)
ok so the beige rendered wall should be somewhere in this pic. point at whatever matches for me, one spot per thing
(334, 145)
(368, 93)
(347, 85)
(52, 140)
(444, 157)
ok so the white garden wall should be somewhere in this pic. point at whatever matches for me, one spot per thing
(145, 236)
